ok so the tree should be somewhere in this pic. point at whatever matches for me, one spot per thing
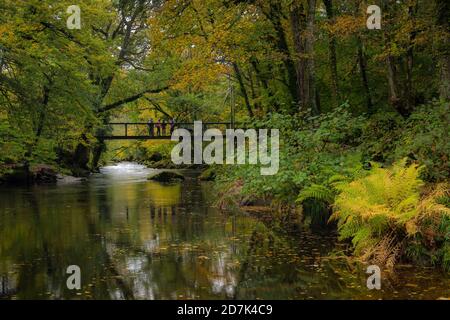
(443, 22)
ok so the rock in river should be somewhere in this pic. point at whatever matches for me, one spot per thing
(43, 174)
(166, 176)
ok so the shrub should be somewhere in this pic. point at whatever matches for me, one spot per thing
(312, 149)
(380, 134)
(385, 215)
(425, 139)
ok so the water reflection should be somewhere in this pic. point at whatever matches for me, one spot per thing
(138, 239)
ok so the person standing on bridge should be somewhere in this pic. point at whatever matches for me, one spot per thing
(163, 127)
(172, 125)
(158, 127)
(150, 127)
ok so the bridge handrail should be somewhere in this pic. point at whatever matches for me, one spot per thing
(167, 123)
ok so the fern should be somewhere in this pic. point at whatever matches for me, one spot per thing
(316, 192)
(384, 210)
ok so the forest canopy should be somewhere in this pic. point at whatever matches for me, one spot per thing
(59, 86)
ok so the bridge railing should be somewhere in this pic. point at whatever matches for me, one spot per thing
(144, 130)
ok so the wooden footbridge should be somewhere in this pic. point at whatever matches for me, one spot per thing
(151, 131)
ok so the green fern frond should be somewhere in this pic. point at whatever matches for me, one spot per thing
(316, 192)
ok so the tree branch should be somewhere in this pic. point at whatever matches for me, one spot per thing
(129, 99)
(158, 107)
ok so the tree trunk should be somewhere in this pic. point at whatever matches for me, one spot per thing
(398, 87)
(39, 128)
(443, 20)
(264, 83)
(302, 25)
(237, 71)
(311, 73)
(363, 71)
(255, 95)
(409, 90)
(332, 52)
(444, 88)
(298, 26)
(392, 81)
(99, 148)
(362, 63)
(81, 158)
(42, 111)
(274, 16)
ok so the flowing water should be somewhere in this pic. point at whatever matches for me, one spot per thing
(139, 239)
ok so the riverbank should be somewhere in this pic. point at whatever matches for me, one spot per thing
(386, 216)
(19, 174)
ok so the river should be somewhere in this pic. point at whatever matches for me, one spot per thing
(138, 239)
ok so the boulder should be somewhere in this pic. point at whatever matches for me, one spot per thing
(63, 179)
(155, 157)
(166, 176)
(43, 174)
(21, 174)
(163, 164)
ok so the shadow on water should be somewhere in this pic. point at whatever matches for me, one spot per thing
(139, 239)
